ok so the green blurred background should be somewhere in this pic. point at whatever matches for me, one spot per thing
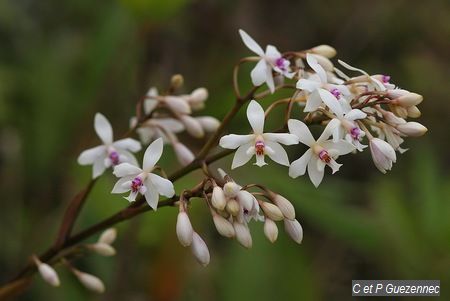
(62, 61)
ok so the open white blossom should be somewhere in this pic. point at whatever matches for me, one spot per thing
(258, 143)
(109, 153)
(270, 60)
(143, 181)
(321, 152)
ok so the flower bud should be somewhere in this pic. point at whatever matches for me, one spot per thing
(177, 105)
(47, 272)
(184, 155)
(246, 199)
(408, 100)
(399, 111)
(243, 235)
(218, 199)
(383, 154)
(200, 250)
(396, 93)
(294, 229)
(412, 129)
(413, 112)
(108, 236)
(233, 207)
(199, 95)
(324, 50)
(285, 206)
(324, 62)
(177, 81)
(231, 189)
(209, 124)
(102, 249)
(224, 227)
(272, 211)
(270, 230)
(184, 229)
(193, 126)
(89, 281)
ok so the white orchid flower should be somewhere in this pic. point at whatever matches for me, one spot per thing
(143, 181)
(109, 153)
(319, 82)
(320, 153)
(270, 60)
(258, 143)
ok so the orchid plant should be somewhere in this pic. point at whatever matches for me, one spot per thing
(351, 110)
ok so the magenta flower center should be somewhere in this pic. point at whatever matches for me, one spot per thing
(259, 147)
(385, 79)
(136, 184)
(324, 156)
(114, 157)
(281, 63)
(355, 133)
(336, 93)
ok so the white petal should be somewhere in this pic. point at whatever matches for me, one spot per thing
(127, 157)
(250, 43)
(99, 167)
(234, 141)
(272, 52)
(277, 153)
(170, 124)
(152, 154)
(269, 80)
(163, 186)
(308, 85)
(313, 101)
(258, 73)
(314, 173)
(260, 161)
(242, 155)
(103, 128)
(344, 64)
(150, 105)
(298, 167)
(300, 130)
(119, 187)
(126, 169)
(329, 129)
(255, 115)
(151, 195)
(88, 156)
(128, 144)
(286, 139)
(331, 102)
(312, 62)
(355, 114)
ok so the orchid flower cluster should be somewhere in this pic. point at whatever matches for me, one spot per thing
(355, 109)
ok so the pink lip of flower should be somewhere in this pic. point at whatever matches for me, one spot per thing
(280, 63)
(324, 156)
(385, 79)
(336, 93)
(259, 148)
(114, 157)
(136, 184)
(355, 133)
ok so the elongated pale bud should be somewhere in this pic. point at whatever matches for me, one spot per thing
(232, 207)
(184, 229)
(200, 250)
(270, 230)
(89, 281)
(324, 62)
(224, 227)
(246, 199)
(412, 129)
(294, 229)
(399, 111)
(272, 211)
(324, 50)
(285, 206)
(408, 100)
(193, 127)
(243, 235)
(102, 249)
(218, 199)
(396, 93)
(177, 81)
(184, 155)
(199, 95)
(178, 104)
(209, 124)
(47, 272)
(413, 112)
(231, 189)
(108, 236)
(383, 154)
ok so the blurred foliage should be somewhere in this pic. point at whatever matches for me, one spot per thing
(62, 61)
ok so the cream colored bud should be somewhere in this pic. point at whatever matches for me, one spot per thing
(89, 281)
(102, 249)
(246, 199)
(231, 189)
(243, 235)
(408, 100)
(399, 111)
(209, 124)
(200, 250)
(324, 62)
(412, 129)
(324, 50)
(184, 229)
(177, 104)
(272, 211)
(413, 112)
(233, 207)
(218, 199)
(224, 227)
(184, 155)
(285, 206)
(383, 154)
(193, 126)
(270, 230)
(108, 236)
(396, 93)
(294, 229)
(199, 95)
(177, 81)
(47, 272)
